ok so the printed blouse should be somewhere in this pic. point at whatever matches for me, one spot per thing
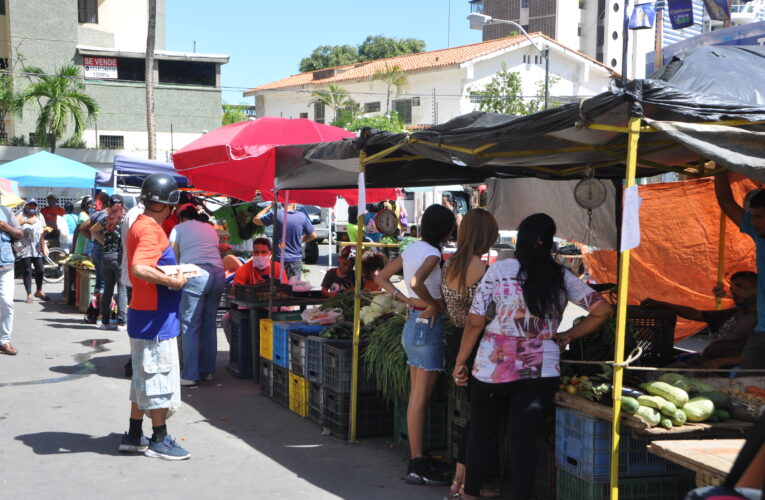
(457, 303)
(516, 344)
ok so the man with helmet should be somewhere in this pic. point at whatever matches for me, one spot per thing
(153, 323)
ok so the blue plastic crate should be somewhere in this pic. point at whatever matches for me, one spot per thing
(583, 449)
(282, 331)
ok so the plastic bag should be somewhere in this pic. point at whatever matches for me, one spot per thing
(315, 316)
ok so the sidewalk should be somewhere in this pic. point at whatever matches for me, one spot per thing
(65, 405)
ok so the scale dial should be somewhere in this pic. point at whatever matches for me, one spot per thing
(590, 193)
(387, 222)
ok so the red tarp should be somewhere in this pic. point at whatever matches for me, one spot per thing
(239, 159)
(677, 258)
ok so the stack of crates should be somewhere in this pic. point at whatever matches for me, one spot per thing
(435, 432)
(583, 460)
(240, 356)
(458, 412)
(289, 353)
(276, 385)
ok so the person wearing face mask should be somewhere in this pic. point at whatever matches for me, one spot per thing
(196, 242)
(81, 239)
(340, 278)
(258, 269)
(33, 249)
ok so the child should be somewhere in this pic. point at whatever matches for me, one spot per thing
(340, 278)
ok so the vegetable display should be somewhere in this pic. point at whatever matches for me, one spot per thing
(386, 359)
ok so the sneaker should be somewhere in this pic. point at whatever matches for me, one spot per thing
(130, 445)
(107, 326)
(121, 327)
(421, 471)
(167, 449)
(208, 377)
(189, 383)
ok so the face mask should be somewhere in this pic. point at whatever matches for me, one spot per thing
(30, 211)
(261, 262)
(91, 210)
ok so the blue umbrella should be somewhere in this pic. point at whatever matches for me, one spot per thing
(45, 169)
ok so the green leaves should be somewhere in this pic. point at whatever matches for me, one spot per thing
(372, 48)
(504, 94)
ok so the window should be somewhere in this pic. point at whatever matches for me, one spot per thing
(87, 11)
(111, 141)
(2, 7)
(415, 101)
(303, 115)
(371, 107)
(131, 69)
(404, 109)
(318, 112)
(187, 73)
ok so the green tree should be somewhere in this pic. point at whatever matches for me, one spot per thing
(9, 100)
(395, 81)
(504, 94)
(380, 47)
(62, 98)
(233, 113)
(328, 56)
(335, 98)
(390, 123)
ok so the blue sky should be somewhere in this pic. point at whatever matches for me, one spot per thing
(267, 39)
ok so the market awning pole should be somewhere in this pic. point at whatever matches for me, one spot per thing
(273, 261)
(621, 315)
(357, 303)
(720, 259)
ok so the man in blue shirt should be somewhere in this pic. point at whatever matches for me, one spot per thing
(299, 231)
(751, 222)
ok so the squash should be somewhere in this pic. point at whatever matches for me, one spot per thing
(720, 399)
(630, 404)
(650, 415)
(698, 409)
(721, 415)
(666, 423)
(678, 418)
(673, 394)
(658, 402)
(677, 380)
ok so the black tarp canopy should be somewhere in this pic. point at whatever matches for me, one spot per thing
(708, 105)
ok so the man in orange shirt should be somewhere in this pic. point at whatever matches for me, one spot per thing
(153, 323)
(50, 213)
(257, 269)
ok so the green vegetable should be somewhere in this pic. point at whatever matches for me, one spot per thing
(650, 415)
(721, 415)
(698, 409)
(673, 394)
(386, 359)
(676, 380)
(720, 399)
(697, 386)
(678, 418)
(666, 423)
(659, 403)
(630, 405)
(631, 392)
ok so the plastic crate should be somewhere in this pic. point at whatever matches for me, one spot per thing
(255, 315)
(313, 359)
(655, 329)
(583, 448)
(298, 395)
(456, 435)
(266, 377)
(297, 349)
(434, 435)
(86, 283)
(337, 362)
(266, 338)
(282, 331)
(570, 487)
(459, 406)
(315, 402)
(374, 416)
(240, 353)
(281, 385)
(70, 285)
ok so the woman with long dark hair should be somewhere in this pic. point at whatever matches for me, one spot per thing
(109, 234)
(423, 334)
(461, 276)
(520, 303)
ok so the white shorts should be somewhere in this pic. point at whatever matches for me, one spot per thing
(156, 380)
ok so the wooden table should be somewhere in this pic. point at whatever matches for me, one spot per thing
(711, 459)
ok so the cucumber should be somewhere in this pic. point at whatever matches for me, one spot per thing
(630, 404)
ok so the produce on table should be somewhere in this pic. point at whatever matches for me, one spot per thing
(650, 415)
(386, 359)
(671, 393)
(630, 405)
(344, 301)
(676, 380)
(381, 305)
(666, 423)
(342, 330)
(720, 399)
(659, 403)
(720, 415)
(678, 418)
(698, 409)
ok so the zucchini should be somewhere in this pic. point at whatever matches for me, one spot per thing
(673, 394)
(650, 415)
(629, 404)
(721, 415)
(666, 423)
(698, 409)
(658, 402)
(677, 380)
(678, 418)
(720, 399)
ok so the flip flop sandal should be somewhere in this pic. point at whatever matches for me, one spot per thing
(29, 300)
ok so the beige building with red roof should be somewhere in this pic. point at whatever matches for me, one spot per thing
(439, 82)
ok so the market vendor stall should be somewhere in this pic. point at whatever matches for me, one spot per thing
(711, 460)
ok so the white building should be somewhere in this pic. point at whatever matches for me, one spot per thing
(439, 82)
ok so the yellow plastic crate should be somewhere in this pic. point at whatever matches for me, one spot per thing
(299, 395)
(267, 339)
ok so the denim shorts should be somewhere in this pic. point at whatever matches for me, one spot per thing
(424, 345)
(156, 379)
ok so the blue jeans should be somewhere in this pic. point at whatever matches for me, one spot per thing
(199, 307)
(293, 269)
(423, 343)
(96, 253)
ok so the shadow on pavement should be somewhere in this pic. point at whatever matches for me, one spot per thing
(54, 443)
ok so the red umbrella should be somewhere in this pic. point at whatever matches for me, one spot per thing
(239, 159)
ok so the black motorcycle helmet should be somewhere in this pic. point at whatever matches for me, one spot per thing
(160, 188)
(86, 200)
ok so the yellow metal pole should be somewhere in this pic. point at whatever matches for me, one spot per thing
(621, 315)
(356, 312)
(720, 258)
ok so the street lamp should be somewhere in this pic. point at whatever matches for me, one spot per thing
(478, 21)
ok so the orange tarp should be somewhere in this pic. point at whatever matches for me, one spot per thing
(677, 258)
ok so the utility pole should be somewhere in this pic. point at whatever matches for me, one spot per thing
(151, 37)
(658, 57)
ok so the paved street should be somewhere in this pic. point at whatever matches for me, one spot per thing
(64, 408)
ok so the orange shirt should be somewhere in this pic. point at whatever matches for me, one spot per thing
(249, 275)
(50, 214)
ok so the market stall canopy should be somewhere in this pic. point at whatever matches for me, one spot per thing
(9, 193)
(239, 159)
(45, 169)
(132, 171)
(688, 121)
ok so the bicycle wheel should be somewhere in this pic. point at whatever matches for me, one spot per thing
(54, 265)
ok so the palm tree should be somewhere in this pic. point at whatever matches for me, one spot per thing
(151, 38)
(9, 101)
(394, 78)
(61, 97)
(335, 97)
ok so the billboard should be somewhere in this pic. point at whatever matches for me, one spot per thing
(100, 68)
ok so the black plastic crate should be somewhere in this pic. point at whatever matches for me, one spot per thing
(435, 432)
(459, 406)
(281, 385)
(240, 351)
(374, 416)
(316, 402)
(655, 329)
(456, 435)
(266, 377)
(313, 359)
(255, 315)
(337, 363)
(297, 354)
